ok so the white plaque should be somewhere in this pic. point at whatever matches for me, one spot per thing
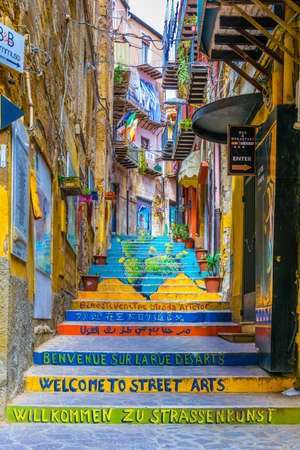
(11, 48)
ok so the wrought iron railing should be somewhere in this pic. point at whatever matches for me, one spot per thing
(176, 128)
(133, 153)
(165, 138)
(180, 24)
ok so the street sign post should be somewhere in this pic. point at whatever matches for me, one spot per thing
(11, 48)
(241, 150)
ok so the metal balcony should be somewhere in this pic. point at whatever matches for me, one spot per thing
(183, 140)
(126, 155)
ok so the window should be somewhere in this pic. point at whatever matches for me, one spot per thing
(146, 52)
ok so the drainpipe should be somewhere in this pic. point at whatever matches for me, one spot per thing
(30, 102)
(217, 197)
(127, 212)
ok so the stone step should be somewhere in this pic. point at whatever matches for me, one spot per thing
(122, 305)
(148, 316)
(165, 352)
(173, 351)
(150, 329)
(238, 337)
(142, 379)
(160, 296)
(156, 296)
(103, 408)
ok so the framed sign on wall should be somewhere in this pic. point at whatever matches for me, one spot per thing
(20, 190)
(241, 150)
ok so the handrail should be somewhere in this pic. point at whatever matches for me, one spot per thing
(180, 23)
(164, 139)
(176, 128)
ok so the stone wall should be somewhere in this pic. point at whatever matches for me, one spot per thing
(72, 106)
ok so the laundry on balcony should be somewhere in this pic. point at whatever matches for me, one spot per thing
(144, 96)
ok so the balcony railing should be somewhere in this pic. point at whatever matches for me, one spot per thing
(180, 24)
(177, 128)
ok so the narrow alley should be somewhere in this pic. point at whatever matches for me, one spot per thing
(149, 238)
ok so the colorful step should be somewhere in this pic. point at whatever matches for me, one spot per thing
(193, 380)
(160, 297)
(144, 351)
(148, 316)
(211, 305)
(98, 408)
(130, 329)
(61, 358)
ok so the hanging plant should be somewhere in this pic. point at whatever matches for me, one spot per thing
(185, 125)
(193, 20)
(118, 74)
(183, 68)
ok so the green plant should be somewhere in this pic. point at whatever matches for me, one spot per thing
(161, 264)
(185, 232)
(118, 74)
(142, 162)
(213, 263)
(183, 67)
(200, 248)
(193, 20)
(128, 248)
(185, 124)
(86, 191)
(134, 268)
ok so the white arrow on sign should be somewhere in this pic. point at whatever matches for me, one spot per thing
(11, 48)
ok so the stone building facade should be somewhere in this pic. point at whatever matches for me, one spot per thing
(64, 93)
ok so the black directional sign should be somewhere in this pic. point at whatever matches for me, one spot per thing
(241, 150)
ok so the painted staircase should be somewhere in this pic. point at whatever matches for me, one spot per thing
(145, 349)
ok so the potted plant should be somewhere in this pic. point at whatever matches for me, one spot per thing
(100, 260)
(177, 233)
(71, 186)
(185, 125)
(203, 264)
(90, 282)
(185, 233)
(200, 253)
(193, 21)
(213, 281)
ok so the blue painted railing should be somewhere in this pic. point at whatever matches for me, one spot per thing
(180, 22)
(176, 129)
(164, 138)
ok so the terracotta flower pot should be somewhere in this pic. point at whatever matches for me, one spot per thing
(203, 265)
(189, 243)
(100, 260)
(90, 282)
(212, 284)
(200, 254)
(179, 240)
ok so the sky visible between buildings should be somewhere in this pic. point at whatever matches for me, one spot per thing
(151, 11)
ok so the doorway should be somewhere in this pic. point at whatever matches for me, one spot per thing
(42, 243)
(249, 296)
(144, 216)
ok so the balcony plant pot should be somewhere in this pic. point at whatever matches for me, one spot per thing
(201, 253)
(212, 284)
(71, 186)
(90, 282)
(100, 260)
(203, 265)
(179, 240)
(189, 243)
